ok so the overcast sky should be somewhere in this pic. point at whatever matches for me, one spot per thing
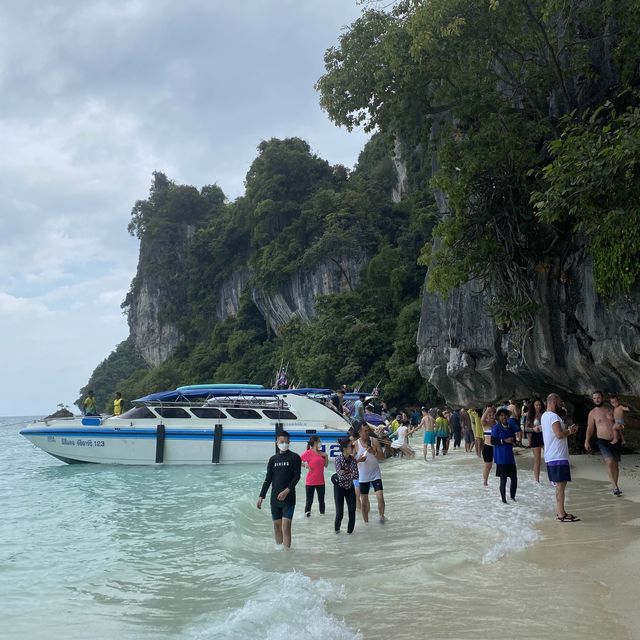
(95, 96)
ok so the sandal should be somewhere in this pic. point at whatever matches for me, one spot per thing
(567, 517)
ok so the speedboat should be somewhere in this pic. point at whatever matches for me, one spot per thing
(195, 424)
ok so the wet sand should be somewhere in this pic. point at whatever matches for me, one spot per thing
(576, 581)
(604, 548)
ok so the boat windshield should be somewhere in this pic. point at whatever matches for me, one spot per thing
(137, 413)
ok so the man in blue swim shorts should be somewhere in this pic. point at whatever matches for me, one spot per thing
(556, 453)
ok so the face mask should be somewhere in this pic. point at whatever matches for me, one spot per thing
(283, 446)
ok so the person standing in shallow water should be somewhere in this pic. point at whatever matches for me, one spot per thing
(467, 430)
(442, 433)
(503, 437)
(477, 431)
(316, 460)
(514, 409)
(488, 420)
(283, 474)
(368, 453)
(533, 428)
(556, 453)
(343, 488)
(456, 428)
(428, 425)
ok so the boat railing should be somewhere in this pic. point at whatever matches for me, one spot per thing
(100, 418)
(240, 402)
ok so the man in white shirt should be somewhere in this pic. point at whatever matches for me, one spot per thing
(556, 453)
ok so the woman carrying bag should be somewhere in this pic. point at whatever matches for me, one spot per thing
(343, 489)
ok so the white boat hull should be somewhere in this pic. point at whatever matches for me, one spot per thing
(139, 445)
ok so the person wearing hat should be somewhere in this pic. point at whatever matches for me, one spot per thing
(503, 437)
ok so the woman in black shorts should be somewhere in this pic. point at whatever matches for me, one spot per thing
(533, 429)
(488, 420)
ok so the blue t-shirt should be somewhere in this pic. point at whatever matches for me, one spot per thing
(514, 423)
(503, 453)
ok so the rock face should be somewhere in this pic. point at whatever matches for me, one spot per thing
(231, 292)
(155, 337)
(297, 296)
(158, 295)
(401, 188)
(574, 345)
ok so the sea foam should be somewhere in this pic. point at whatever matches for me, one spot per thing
(288, 605)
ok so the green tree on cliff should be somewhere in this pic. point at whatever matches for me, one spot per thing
(485, 87)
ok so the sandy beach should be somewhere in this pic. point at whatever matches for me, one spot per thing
(603, 550)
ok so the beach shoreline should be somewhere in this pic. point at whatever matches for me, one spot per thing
(620, 568)
(604, 547)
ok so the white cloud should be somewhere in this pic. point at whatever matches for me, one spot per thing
(14, 307)
(96, 96)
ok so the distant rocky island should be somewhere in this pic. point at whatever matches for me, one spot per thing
(60, 413)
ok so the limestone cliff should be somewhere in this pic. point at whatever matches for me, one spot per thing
(575, 342)
(296, 297)
(154, 336)
(158, 297)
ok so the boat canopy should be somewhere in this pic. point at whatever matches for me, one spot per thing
(355, 395)
(184, 394)
(190, 387)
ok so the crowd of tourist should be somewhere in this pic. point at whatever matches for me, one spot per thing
(490, 434)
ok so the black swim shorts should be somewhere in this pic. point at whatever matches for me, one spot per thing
(609, 450)
(286, 511)
(364, 486)
(535, 440)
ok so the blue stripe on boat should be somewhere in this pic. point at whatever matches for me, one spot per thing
(174, 434)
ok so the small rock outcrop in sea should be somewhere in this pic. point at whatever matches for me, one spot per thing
(60, 413)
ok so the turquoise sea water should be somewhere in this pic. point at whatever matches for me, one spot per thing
(133, 553)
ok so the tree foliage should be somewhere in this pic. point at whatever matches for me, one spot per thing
(479, 90)
(520, 118)
(297, 212)
(110, 374)
(593, 182)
